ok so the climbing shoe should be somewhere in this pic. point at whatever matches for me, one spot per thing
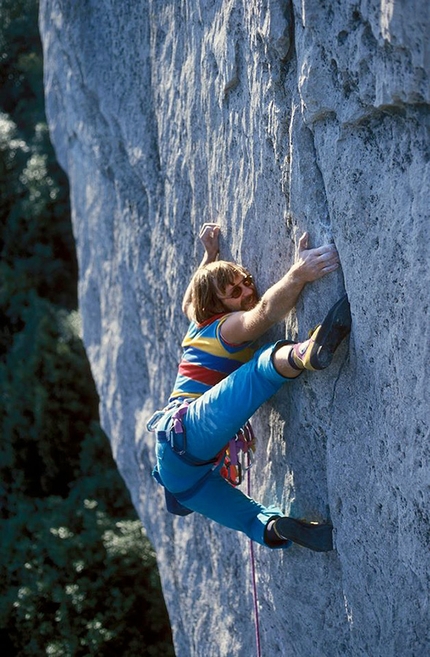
(317, 352)
(316, 537)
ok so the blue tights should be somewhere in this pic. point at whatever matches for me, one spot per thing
(210, 422)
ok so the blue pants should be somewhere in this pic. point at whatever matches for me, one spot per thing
(210, 422)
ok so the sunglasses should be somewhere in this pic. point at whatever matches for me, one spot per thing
(236, 292)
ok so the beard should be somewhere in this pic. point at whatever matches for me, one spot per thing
(249, 302)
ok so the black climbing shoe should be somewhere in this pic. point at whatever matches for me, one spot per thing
(317, 352)
(307, 534)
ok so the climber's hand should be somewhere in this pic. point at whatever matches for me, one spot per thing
(209, 237)
(312, 264)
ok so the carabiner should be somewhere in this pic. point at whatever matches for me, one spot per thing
(154, 420)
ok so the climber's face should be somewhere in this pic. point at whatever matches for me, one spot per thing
(240, 295)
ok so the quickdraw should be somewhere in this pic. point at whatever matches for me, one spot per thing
(241, 446)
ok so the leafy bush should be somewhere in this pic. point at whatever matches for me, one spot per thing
(79, 580)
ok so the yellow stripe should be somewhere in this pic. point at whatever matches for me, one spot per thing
(213, 347)
(181, 393)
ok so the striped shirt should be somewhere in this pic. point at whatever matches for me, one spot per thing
(207, 358)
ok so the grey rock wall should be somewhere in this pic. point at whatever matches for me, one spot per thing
(275, 118)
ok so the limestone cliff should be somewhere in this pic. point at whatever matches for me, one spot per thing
(276, 118)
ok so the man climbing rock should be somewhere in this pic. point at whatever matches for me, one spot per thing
(221, 382)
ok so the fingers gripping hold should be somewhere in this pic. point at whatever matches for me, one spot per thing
(317, 262)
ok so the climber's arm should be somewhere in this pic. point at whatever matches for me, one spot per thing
(209, 237)
(279, 299)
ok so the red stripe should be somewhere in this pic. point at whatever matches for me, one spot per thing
(212, 319)
(201, 374)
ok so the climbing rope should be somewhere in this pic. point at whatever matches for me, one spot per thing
(254, 582)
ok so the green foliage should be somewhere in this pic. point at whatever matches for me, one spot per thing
(79, 581)
(36, 240)
(77, 577)
(35, 230)
(48, 400)
(21, 62)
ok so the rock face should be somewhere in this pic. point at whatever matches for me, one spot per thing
(275, 118)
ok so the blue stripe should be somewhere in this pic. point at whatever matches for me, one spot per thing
(226, 365)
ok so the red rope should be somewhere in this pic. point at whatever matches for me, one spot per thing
(254, 582)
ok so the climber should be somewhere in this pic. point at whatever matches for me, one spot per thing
(221, 383)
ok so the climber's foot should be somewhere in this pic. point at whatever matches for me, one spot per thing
(317, 352)
(307, 534)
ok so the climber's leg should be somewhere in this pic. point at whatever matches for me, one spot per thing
(218, 500)
(228, 506)
(215, 417)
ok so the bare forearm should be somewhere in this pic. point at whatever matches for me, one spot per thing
(281, 297)
(274, 305)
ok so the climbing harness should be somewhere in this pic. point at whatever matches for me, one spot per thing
(169, 428)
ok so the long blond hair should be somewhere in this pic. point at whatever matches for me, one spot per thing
(208, 282)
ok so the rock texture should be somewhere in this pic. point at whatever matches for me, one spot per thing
(274, 117)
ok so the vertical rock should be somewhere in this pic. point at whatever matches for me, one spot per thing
(274, 117)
